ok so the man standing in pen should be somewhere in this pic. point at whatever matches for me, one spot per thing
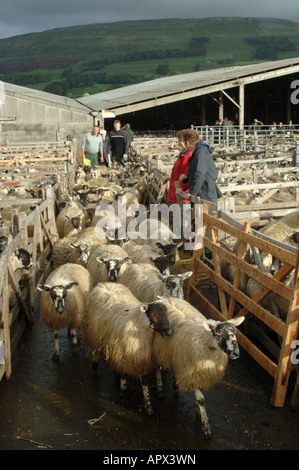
(117, 148)
(92, 146)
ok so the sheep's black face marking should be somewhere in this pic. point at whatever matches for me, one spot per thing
(169, 248)
(157, 314)
(225, 336)
(76, 222)
(113, 267)
(164, 261)
(83, 253)
(25, 258)
(58, 295)
(174, 286)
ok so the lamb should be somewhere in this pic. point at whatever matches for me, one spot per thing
(197, 351)
(106, 263)
(147, 283)
(122, 328)
(62, 301)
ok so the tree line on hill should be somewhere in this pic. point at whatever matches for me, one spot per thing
(268, 47)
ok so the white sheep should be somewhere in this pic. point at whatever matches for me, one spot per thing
(197, 351)
(62, 301)
(71, 219)
(106, 262)
(122, 328)
(84, 244)
(147, 283)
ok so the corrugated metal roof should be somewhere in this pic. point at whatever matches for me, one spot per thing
(168, 86)
(43, 96)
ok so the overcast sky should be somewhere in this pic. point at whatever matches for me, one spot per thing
(28, 16)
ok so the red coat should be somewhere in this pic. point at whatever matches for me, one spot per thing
(179, 168)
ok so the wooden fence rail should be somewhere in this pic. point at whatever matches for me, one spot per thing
(36, 234)
(230, 294)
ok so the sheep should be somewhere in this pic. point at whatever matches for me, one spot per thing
(147, 283)
(84, 244)
(122, 328)
(62, 301)
(71, 219)
(146, 254)
(21, 259)
(106, 263)
(197, 351)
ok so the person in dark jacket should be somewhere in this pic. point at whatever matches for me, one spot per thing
(117, 148)
(202, 172)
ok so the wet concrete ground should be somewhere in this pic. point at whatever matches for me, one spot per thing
(67, 406)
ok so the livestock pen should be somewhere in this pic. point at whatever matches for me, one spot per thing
(37, 233)
(258, 186)
(42, 395)
(34, 176)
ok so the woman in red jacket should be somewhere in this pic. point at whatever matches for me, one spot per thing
(179, 168)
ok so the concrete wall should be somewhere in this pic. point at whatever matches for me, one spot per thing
(28, 115)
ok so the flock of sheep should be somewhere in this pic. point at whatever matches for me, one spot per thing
(121, 298)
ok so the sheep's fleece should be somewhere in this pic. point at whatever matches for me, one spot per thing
(116, 326)
(195, 365)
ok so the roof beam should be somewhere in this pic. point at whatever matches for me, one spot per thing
(184, 95)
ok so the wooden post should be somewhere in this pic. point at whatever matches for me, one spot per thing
(196, 256)
(241, 255)
(6, 320)
(291, 332)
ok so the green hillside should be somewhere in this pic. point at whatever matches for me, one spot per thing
(95, 57)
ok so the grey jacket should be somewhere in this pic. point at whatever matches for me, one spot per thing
(202, 174)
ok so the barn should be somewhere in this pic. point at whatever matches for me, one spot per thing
(240, 93)
(28, 115)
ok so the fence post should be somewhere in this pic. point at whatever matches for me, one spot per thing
(297, 153)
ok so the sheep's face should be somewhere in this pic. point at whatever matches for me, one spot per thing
(158, 318)
(113, 266)
(163, 262)
(58, 294)
(224, 336)
(25, 258)
(83, 251)
(76, 222)
(174, 284)
(168, 248)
